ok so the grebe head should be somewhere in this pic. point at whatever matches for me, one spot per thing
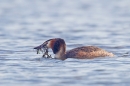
(57, 45)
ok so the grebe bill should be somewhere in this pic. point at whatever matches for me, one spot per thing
(58, 47)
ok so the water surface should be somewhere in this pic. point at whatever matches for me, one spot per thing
(25, 24)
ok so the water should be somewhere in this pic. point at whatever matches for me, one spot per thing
(25, 24)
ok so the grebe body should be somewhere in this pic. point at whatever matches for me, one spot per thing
(58, 47)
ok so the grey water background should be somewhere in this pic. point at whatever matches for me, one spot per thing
(25, 24)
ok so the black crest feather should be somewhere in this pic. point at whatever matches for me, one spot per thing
(57, 45)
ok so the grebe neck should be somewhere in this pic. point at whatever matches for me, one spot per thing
(61, 54)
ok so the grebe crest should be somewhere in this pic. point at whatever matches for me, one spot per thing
(58, 47)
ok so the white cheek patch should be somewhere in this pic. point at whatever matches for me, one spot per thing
(48, 44)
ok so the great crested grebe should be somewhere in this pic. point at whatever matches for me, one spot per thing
(58, 47)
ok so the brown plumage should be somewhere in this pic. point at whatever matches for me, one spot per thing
(85, 52)
(88, 52)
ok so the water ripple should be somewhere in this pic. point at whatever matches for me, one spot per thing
(25, 24)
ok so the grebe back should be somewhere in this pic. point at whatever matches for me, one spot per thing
(58, 47)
